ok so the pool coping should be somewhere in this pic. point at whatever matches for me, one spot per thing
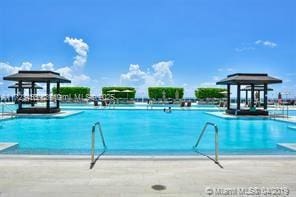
(138, 157)
(223, 115)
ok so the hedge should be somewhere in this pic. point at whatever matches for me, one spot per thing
(120, 94)
(73, 92)
(204, 93)
(170, 92)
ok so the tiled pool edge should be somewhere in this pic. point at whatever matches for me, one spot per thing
(232, 117)
(62, 114)
(129, 157)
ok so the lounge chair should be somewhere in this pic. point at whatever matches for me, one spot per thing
(182, 104)
(189, 104)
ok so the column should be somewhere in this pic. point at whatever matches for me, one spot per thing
(265, 96)
(48, 95)
(58, 93)
(252, 95)
(33, 94)
(228, 96)
(238, 98)
(20, 94)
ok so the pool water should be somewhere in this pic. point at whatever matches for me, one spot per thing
(145, 132)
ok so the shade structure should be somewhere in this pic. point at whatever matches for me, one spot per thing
(37, 76)
(255, 82)
(25, 86)
(223, 92)
(25, 77)
(113, 91)
(249, 78)
(256, 88)
(127, 91)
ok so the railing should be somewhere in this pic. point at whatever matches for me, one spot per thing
(8, 112)
(280, 111)
(216, 139)
(97, 124)
(150, 105)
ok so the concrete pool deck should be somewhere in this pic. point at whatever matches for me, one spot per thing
(290, 119)
(131, 178)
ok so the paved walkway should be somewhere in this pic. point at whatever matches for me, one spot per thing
(131, 178)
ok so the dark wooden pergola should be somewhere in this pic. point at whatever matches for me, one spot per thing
(32, 77)
(26, 86)
(258, 80)
(257, 88)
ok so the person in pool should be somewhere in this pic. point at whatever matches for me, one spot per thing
(169, 110)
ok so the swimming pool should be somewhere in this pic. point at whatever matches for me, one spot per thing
(145, 132)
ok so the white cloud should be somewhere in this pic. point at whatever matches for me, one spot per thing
(48, 66)
(134, 75)
(266, 43)
(160, 76)
(6, 68)
(241, 49)
(65, 72)
(76, 78)
(253, 45)
(162, 72)
(81, 48)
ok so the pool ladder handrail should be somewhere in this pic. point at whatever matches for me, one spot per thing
(97, 124)
(216, 138)
(10, 112)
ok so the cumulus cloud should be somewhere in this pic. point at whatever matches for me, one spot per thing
(76, 78)
(161, 75)
(81, 48)
(134, 75)
(6, 68)
(162, 72)
(266, 43)
(48, 66)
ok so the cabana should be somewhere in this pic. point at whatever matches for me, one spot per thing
(259, 80)
(257, 88)
(26, 86)
(48, 77)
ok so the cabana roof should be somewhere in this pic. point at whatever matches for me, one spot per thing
(256, 88)
(37, 76)
(25, 86)
(249, 78)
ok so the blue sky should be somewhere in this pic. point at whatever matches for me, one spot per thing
(189, 43)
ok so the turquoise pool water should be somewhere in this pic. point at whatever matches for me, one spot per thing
(145, 132)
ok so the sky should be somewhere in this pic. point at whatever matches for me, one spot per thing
(184, 43)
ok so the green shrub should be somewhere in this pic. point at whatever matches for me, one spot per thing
(170, 92)
(73, 92)
(204, 93)
(120, 94)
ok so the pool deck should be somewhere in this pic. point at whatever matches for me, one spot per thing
(62, 114)
(131, 178)
(288, 146)
(7, 145)
(290, 119)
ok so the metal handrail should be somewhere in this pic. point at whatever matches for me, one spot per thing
(93, 141)
(5, 106)
(216, 139)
